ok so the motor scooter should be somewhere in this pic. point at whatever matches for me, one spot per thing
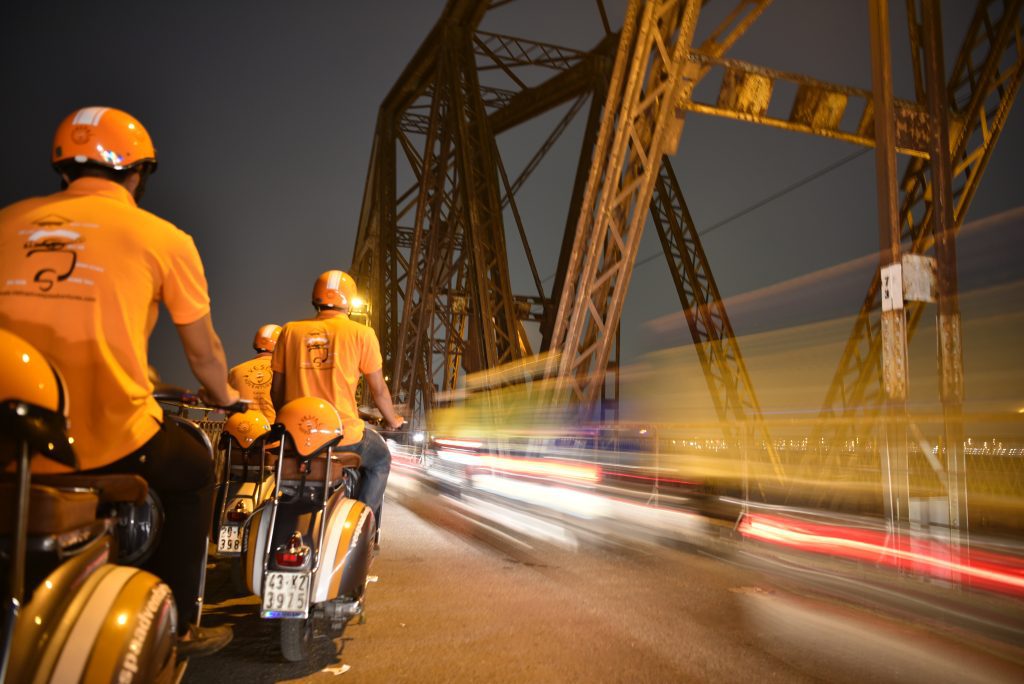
(71, 613)
(309, 546)
(248, 481)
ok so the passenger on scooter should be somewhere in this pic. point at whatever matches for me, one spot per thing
(83, 272)
(323, 357)
(252, 378)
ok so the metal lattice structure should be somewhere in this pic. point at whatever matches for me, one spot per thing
(432, 249)
(979, 95)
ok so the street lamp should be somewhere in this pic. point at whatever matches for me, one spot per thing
(359, 310)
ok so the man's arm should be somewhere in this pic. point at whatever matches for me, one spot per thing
(277, 391)
(205, 355)
(382, 398)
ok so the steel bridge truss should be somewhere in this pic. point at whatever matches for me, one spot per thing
(432, 253)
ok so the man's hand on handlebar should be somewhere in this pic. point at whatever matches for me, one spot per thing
(398, 426)
(172, 394)
(229, 400)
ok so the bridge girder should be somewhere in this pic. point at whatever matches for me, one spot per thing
(434, 258)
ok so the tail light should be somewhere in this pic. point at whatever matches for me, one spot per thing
(294, 555)
(238, 515)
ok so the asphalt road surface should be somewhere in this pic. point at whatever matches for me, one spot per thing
(456, 602)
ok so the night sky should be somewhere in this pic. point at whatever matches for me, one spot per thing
(263, 114)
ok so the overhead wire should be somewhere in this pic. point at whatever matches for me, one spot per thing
(764, 201)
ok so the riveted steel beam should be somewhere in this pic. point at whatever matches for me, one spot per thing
(979, 93)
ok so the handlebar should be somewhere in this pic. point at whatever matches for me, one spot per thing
(401, 431)
(173, 394)
(374, 417)
(370, 414)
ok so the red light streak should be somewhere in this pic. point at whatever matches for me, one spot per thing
(981, 568)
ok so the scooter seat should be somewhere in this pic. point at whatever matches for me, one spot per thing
(50, 510)
(110, 488)
(317, 466)
(251, 456)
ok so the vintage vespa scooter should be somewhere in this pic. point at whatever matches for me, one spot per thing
(248, 481)
(70, 614)
(309, 547)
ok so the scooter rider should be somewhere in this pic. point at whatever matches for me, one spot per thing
(323, 357)
(82, 272)
(252, 378)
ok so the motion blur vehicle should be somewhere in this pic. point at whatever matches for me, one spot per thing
(308, 550)
(71, 613)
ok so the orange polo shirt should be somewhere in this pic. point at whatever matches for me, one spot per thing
(323, 357)
(81, 275)
(252, 380)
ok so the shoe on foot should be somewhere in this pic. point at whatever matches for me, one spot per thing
(203, 641)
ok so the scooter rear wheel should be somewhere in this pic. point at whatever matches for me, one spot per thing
(296, 639)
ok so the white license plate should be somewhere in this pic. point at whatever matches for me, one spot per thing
(230, 539)
(285, 595)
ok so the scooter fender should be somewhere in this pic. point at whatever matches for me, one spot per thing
(238, 489)
(255, 548)
(246, 492)
(345, 558)
(92, 621)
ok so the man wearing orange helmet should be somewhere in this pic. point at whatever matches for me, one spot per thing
(323, 357)
(252, 378)
(82, 272)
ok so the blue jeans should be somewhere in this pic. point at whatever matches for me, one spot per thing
(375, 468)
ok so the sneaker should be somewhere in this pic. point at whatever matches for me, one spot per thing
(204, 641)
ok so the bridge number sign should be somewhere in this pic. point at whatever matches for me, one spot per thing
(892, 287)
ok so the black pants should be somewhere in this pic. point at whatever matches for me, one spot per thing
(180, 470)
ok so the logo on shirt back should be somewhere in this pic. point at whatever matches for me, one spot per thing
(53, 246)
(318, 350)
(258, 376)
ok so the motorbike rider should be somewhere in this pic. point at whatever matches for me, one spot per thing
(82, 272)
(323, 357)
(252, 378)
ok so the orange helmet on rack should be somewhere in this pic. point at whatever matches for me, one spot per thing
(247, 427)
(266, 337)
(334, 289)
(104, 136)
(313, 424)
(33, 400)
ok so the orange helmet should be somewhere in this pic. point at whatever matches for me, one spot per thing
(313, 424)
(105, 136)
(247, 427)
(266, 338)
(33, 400)
(335, 289)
